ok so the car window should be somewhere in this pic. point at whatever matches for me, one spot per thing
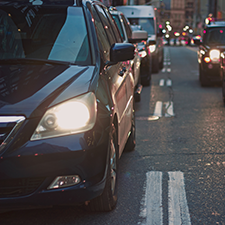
(127, 26)
(107, 25)
(146, 24)
(119, 25)
(103, 41)
(42, 33)
(114, 27)
(215, 36)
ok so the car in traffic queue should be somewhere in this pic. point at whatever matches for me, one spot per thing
(66, 104)
(210, 47)
(146, 59)
(135, 37)
(148, 18)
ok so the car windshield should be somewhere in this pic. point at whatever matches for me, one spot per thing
(215, 36)
(145, 23)
(44, 33)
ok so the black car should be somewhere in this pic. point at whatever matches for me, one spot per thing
(210, 48)
(66, 104)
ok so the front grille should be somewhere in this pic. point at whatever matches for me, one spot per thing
(5, 129)
(19, 187)
(9, 126)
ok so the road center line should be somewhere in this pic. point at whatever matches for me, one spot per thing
(177, 206)
(153, 198)
(161, 82)
(169, 109)
(158, 109)
(169, 83)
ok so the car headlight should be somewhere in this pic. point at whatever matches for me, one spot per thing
(70, 117)
(214, 55)
(152, 48)
(142, 53)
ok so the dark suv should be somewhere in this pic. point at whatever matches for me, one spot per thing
(210, 48)
(66, 104)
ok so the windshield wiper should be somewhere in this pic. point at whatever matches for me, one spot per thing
(32, 61)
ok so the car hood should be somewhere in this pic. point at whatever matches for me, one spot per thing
(30, 89)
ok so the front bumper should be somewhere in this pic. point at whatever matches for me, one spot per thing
(26, 173)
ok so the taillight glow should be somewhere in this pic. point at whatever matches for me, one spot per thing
(207, 59)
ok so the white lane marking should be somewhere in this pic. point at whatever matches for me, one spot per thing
(168, 70)
(158, 109)
(169, 109)
(161, 82)
(169, 83)
(177, 206)
(152, 211)
(164, 70)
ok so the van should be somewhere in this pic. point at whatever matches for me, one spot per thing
(146, 17)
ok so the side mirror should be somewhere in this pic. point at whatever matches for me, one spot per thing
(138, 36)
(121, 52)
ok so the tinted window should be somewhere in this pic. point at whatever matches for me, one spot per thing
(103, 41)
(146, 24)
(49, 33)
(215, 36)
(107, 25)
(127, 26)
(118, 22)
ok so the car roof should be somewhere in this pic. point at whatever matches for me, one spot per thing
(44, 2)
(216, 24)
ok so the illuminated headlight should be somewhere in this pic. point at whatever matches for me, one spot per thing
(70, 117)
(152, 48)
(142, 54)
(214, 55)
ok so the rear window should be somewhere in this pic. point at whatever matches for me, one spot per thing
(146, 24)
(215, 36)
(43, 32)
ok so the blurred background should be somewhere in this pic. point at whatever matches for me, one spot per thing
(181, 20)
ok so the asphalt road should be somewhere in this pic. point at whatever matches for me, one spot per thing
(176, 173)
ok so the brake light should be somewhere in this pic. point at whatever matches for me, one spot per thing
(207, 59)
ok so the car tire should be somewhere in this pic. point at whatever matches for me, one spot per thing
(131, 141)
(203, 80)
(108, 199)
(223, 89)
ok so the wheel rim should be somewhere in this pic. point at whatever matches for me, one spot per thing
(113, 167)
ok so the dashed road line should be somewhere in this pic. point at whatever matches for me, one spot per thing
(158, 111)
(169, 109)
(152, 207)
(162, 82)
(177, 204)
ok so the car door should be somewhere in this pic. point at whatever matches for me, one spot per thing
(120, 80)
